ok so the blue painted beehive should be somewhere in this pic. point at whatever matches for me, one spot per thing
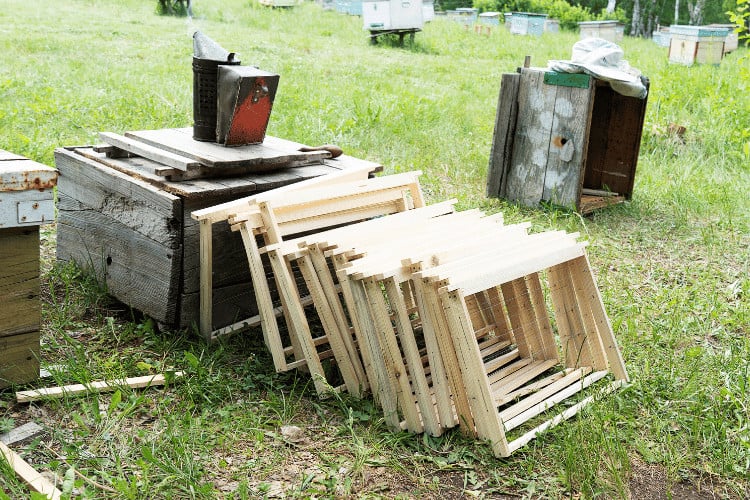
(489, 18)
(527, 23)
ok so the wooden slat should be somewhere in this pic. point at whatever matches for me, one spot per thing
(531, 388)
(25, 431)
(259, 156)
(570, 412)
(345, 358)
(268, 323)
(396, 373)
(223, 211)
(547, 398)
(92, 387)
(567, 145)
(502, 138)
(332, 305)
(412, 356)
(385, 395)
(28, 474)
(521, 377)
(482, 405)
(544, 327)
(593, 297)
(575, 349)
(139, 148)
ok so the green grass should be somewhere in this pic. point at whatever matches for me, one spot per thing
(672, 265)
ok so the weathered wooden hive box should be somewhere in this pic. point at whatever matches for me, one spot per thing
(565, 139)
(661, 37)
(552, 26)
(612, 31)
(128, 219)
(731, 43)
(464, 15)
(696, 44)
(26, 202)
(527, 23)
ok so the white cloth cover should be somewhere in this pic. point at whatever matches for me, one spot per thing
(602, 59)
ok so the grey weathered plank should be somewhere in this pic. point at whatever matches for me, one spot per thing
(567, 149)
(180, 141)
(138, 270)
(125, 229)
(531, 147)
(502, 139)
(25, 431)
(144, 150)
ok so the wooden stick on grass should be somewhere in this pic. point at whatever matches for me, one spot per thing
(28, 474)
(99, 386)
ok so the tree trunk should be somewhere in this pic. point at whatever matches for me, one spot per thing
(696, 12)
(635, 25)
(676, 12)
(611, 6)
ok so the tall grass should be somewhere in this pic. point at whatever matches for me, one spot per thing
(672, 264)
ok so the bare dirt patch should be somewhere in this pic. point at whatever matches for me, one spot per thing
(651, 482)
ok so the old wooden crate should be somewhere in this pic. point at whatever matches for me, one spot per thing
(129, 219)
(612, 31)
(26, 202)
(696, 44)
(565, 139)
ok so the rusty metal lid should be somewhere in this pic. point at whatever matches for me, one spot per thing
(21, 174)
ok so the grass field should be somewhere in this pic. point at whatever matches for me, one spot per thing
(672, 265)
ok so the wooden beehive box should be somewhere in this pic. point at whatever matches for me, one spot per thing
(527, 23)
(26, 202)
(731, 43)
(696, 44)
(661, 37)
(128, 219)
(612, 31)
(565, 139)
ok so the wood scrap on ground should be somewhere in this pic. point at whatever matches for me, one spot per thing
(28, 474)
(92, 387)
(25, 431)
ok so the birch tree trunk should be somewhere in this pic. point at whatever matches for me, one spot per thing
(611, 6)
(676, 11)
(635, 25)
(696, 12)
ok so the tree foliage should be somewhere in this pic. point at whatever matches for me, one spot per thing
(641, 17)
